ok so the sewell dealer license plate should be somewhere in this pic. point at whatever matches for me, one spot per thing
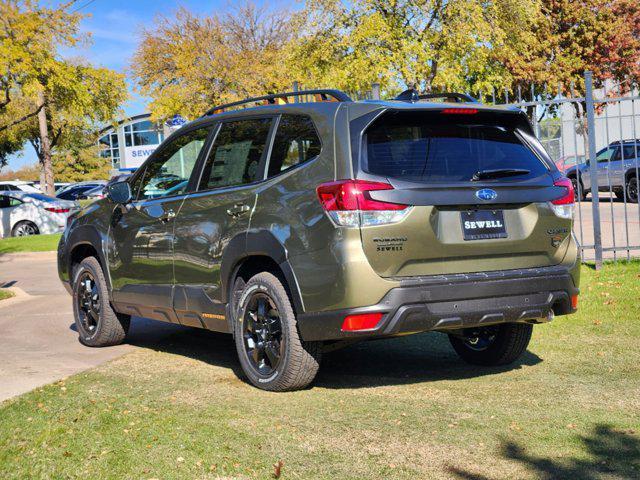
(483, 224)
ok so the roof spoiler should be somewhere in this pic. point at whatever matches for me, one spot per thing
(411, 95)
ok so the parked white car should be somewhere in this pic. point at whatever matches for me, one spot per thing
(33, 213)
(18, 186)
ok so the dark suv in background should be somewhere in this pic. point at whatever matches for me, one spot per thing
(314, 220)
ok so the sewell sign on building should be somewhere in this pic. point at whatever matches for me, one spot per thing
(135, 156)
(132, 141)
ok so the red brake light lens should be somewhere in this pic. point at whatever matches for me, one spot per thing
(568, 197)
(362, 321)
(56, 209)
(460, 111)
(354, 195)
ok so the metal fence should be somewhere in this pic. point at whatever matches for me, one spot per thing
(595, 140)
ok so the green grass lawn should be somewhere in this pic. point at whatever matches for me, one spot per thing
(402, 408)
(4, 294)
(34, 243)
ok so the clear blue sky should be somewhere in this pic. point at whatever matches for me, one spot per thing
(115, 27)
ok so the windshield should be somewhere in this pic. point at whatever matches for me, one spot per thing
(439, 148)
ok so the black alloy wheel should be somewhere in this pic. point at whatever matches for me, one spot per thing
(262, 334)
(88, 300)
(632, 190)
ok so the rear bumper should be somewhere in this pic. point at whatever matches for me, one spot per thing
(453, 302)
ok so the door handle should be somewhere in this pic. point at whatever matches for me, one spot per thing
(168, 216)
(238, 209)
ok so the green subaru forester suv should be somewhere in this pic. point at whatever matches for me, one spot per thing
(306, 221)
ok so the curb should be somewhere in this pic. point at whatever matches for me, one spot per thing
(19, 295)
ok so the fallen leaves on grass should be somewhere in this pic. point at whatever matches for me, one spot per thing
(277, 469)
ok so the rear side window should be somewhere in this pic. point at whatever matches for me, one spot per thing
(438, 148)
(236, 153)
(7, 202)
(296, 142)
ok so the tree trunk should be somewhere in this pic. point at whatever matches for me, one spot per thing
(46, 172)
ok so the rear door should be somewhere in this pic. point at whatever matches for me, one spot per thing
(215, 215)
(478, 186)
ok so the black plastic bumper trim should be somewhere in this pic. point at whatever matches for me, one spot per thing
(447, 302)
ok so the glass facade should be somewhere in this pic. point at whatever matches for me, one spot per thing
(109, 148)
(119, 146)
(142, 133)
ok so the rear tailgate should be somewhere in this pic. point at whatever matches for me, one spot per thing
(500, 220)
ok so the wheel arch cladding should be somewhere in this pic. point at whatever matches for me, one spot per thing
(258, 251)
(85, 241)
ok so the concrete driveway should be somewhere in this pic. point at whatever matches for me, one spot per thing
(38, 343)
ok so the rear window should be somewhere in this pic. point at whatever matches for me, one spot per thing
(438, 148)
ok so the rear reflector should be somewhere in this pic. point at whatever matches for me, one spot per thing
(362, 321)
(460, 111)
(574, 302)
(56, 209)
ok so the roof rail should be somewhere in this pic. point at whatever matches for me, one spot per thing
(412, 95)
(322, 95)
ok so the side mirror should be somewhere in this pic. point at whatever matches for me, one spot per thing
(119, 192)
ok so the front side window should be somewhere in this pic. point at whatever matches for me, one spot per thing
(440, 148)
(168, 174)
(296, 142)
(236, 154)
(605, 155)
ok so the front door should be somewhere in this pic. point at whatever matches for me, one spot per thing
(217, 214)
(605, 158)
(140, 251)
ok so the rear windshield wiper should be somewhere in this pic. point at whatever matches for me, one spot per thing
(498, 173)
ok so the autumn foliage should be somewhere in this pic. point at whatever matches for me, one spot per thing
(188, 63)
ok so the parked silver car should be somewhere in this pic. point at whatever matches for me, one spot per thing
(617, 169)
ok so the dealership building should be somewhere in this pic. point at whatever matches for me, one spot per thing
(131, 142)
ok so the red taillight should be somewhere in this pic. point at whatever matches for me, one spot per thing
(362, 321)
(460, 111)
(56, 209)
(574, 302)
(354, 195)
(568, 197)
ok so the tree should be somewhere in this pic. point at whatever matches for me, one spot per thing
(577, 35)
(190, 63)
(47, 98)
(430, 44)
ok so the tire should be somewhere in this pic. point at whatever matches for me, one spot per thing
(632, 190)
(271, 353)
(97, 323)
(507, 342)
(619, 194)
(24, 228)
(582, 196)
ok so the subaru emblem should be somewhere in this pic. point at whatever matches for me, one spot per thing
(486, 194)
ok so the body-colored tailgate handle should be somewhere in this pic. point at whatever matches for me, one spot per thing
(238, 209)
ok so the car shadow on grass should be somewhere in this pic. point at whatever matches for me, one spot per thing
(419, 358)
(610, 453)
(412, 359)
